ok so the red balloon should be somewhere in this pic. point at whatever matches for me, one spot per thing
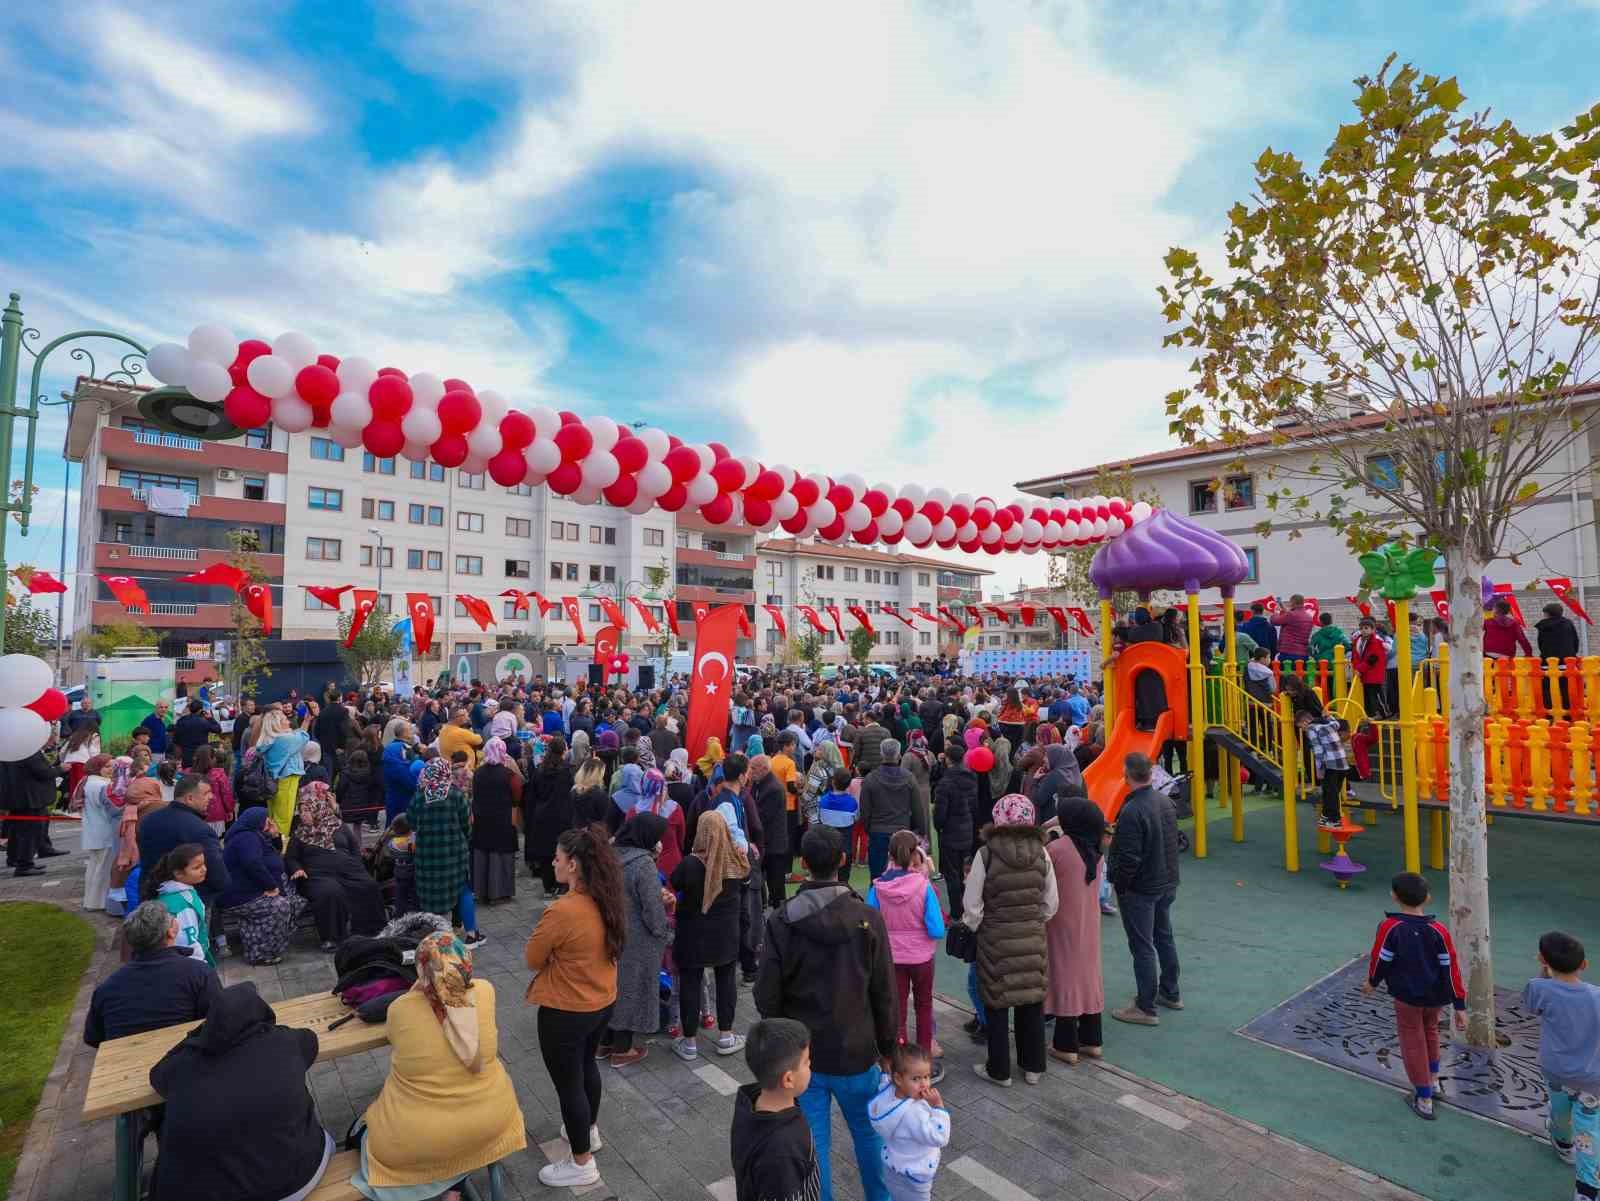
(993, 548)
(728, 474)
(768, 485)
(249, 350)
(980, 759)
(1039, 513)
(719, 511)
(891, 539)
(673, 499)
(904, 507)
(756, 510)
(793, 525)
(458, 385)
(933, 511)
(673, 441)
(247, 408)
(1016, 512)
(622, 493)
(719, 450)
(971, 547)
(449, 451)
(317, 385)
(574, 439)
(1004, 519)
(321, 416)
(459, 412)
(391, 398)
(867, 534)
(51, 705)
(394, 371)
(566, 479)
(330, 361)
(568, 417)
(841, 497)
(958, 514)
(508, 467)
(877, 502)
(683, 463)
(383, 438)
(980, 518)
(630, 453)
(516, 430)
(806, 492)
(833, 530)
(945, 543)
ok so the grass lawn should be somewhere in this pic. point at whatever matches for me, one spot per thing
(44, 952)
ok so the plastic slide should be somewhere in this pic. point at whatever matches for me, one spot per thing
(1103, 777)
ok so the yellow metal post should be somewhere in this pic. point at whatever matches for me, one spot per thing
(1290, 744)
(1408, 738)
(1197, 730)
(1235, 796)
(1436, 839)
(1108, 696)
(1230, 716)
(1340, 688)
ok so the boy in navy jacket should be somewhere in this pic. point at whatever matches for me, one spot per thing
(1414, 954)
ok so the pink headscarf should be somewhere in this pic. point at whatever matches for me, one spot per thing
(973, 736)
(494, 751)
(1014, 809)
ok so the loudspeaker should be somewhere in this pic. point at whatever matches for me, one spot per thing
(597, 675)
(647, 676)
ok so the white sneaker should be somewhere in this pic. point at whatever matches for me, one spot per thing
(568, 1173)
(730, 1044)
(594, 1138)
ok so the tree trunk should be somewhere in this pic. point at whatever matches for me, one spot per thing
(1469, 841)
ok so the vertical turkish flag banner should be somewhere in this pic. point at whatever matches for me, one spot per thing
(810, 615)
(421, 610)
(258, 599)
(613, 614)
(745, 628)
(366, 600)
(838, 621)
(672, 616)
(1081, 620)
(1562, 587)
(776, 613)
(893, 611)
(1388, 606)
(328, 596)
(128, 593)
(1027, 612)
(570, 604)
(1363, 606)
(520, 600)
(546, 605)
(477, 609)
(860, 615)
(1059, 616)
(605, 646)
(711, 682)
(953, 619)
(701, 611)
(1441, 602)
(1004, 616)
(651, 625)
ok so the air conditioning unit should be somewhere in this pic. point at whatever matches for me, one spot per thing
(227, 473)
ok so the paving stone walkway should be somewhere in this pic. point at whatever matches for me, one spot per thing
(1089, 1133)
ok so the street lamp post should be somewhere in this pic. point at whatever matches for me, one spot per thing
(623, 591)
(378, 534)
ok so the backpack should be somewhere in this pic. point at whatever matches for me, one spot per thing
(256, 785)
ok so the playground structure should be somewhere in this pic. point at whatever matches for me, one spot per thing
(1541, 730)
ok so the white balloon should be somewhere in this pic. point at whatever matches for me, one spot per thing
(1140, 511)
(417, 452)
(542, 456)
(604, 431)
(26, 678)
(752, 468)
(484, 442)
(1030, 549)
(965, 499)
(708, 457)
(494, 406)
(702, 489)
(857, 517)
(296, 349)
(823, 512)
(853, 482)
(209, 381)
(349, 437)
(915, 493)
(785, 507)
(641, 505)
(475, 465)
(420, 425)
(891, 523)
(941, 495)
(886, 489)
(352, 411)
(1100, 527)
(918, 529)
(1052, 531)
(991, 534)
(546, 421)
(586, 495)
(22, 732)
(1070, 531)
(290, 413)
(169, 363)
(967, 531)
(1115, 526)
(821, 481)
(788, 474)
(271, 376)
(983, 502)
(944, 529)
(1032, 531)
(356, 375)
(655, 441)
(600, 469)
(426, 389)
(213, 344)
(653, 478)
(1012, 535)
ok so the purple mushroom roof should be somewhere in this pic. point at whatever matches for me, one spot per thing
(1168, 551)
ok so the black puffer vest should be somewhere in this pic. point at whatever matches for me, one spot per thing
(1012, 967)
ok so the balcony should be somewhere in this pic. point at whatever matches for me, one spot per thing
(715, 596)
(165, 615)
(178, 454)
(119, 556)
(222, 508)
(167, 609)
(692, 555)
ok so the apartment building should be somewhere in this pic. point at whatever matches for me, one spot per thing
(713, 565)
(155, 506)
(957, 586)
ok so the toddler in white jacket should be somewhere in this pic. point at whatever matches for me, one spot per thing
(908, 1114)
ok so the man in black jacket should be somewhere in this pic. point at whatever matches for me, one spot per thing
(161, 985)
(1143, 867)
(192, 731)
(184, 821)
(1558, 639)
(30, 790)
(931, 711)
(827, 964)
(955, 799)
(768, 797)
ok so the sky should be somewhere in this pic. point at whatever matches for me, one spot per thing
(915, 241)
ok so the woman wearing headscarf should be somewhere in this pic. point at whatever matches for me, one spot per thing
(706, 765)
(628, 796)
(660, 800)
(638, 1008)
(708, 885)
(258, 892)
(323, 860)
(825, 760)
(280, 748)
(547, 809)
(1061, 778)
(580, 749)
(756, 744)
(1000, 773)
(441, 822)
(138, 797)
(1077, 991)
(1010, 895)
(447, 1107)
(496, 806)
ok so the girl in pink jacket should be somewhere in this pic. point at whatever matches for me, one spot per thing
(915, 922)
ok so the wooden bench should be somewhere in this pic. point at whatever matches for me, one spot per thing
(336, 1186)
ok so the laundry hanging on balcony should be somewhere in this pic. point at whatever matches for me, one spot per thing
(169, 502)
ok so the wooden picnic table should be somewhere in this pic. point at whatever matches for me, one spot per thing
(120, 1081)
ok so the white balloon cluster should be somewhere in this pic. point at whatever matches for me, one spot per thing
(25, 728)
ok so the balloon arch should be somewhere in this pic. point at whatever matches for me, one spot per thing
(590, 459)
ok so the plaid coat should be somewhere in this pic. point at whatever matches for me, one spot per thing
(443, 855)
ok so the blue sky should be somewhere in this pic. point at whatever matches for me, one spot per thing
(917, 241)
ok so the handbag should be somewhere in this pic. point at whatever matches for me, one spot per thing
(961, 942)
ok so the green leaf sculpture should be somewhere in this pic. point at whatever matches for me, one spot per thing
(1397, 573)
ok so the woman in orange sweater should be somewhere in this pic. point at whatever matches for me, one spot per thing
(574, 952)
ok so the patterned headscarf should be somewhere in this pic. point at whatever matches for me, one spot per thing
(713, 755)
(121, 772)
(437, 780)
(713, 846)
(494, 751)
(754, 746)
(653, 796)
(319, 817)
(1013, 809)
(444, 977)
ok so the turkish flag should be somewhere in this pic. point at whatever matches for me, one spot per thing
(128, 593)
(40, 581)
(1441, 602)
(328, 596)
(1270, 603)
(258, 599)
(366, 600)
(1560, 585)
(1507, 593)
(892, 611)
(1027, 615)
(546, 605)
(1081, 620)
(711, 682)
(776, 613)
(651, 625)
(1389, 608)
(810, 615)
(570, 604)
(701, 611)
(745, 629)
(477, 609)
(860, 615)
(919, 611)
(953, 619)
(613, 614)
(837, 619)
(422, 615)
(1363, 606)
(1060, 616)
(605, 647)
(671, 607)
(1000, 613)
(225, 574)
(521, 599)
(976, 613)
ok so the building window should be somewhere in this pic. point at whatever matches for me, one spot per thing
(572, 571)
(469, 564)
(377, 510)
(608, 574)
(140, 481)
(327, 449)
(386, 602)
(519, 527)
(774, 599)
(366, 556)
(469, 481)
(572, 531)
(372, 463)
(824, 571)
(892, 577)
(519, 569)
(325, 498)
(923, 580)
(776, 570)
(558, 531)
(413, 560)
(828, 638)
(521, 490)
(608, 535)
(436, 560)
(512, 613)
(594, 573)
(557, 570)
(313, 605)
(683, 539)
(469, 523)
(654, 537)
(427, 471)
(772, 638)
(924, 638)
(594, 612)
(594, 534)
(416, 514)
(325, 550)
(436, 515)
(255, 487)
(851, 575)
(259, 438)
(1252, 557)
(1381, 472)
(1236, 491)
(469, 648)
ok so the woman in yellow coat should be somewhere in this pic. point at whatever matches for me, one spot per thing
(448, 1107)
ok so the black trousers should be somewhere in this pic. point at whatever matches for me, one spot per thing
(568, 1041)
(953, 867)
(1332, 785)
(23, 842)
(1074, 1033)
(1375, 699)
(1030, 1039)
(775, 867)
(690, 990)
(751, 926)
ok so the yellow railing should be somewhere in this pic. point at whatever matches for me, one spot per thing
(1255, 722)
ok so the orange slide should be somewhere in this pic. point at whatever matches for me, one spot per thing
(1103, 777)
